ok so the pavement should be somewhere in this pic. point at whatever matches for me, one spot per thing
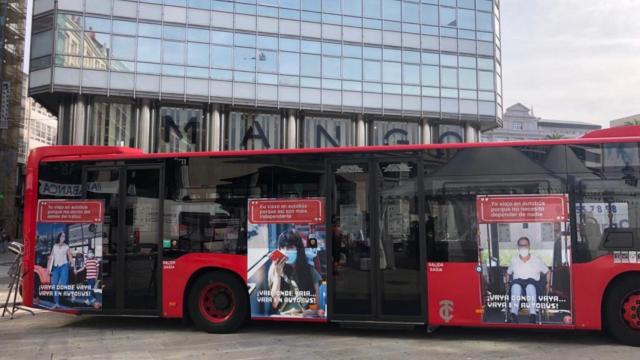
(6, 259)
(49, 335)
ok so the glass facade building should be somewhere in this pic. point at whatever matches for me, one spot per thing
(190, 75)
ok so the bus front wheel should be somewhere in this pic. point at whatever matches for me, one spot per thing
(622, 311)
(218, 302)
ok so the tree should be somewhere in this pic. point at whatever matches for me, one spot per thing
(555, 136)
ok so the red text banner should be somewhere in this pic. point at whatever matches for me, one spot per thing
(70, 211)
(286, 211)
(522, 209)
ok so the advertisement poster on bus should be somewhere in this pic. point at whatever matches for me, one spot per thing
(287, 258)
(524, 259)
(69, 254)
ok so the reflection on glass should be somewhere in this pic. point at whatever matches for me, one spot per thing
(267, 61)
(395, 132)
(123, 47)
(149, 50)
(95, 64)
(321, 132)
(351, 244)
(448, 17)
(173, 52)
(310, 65)
(111, 123)
(68, 21)
(180, 129)
(221, 57)
(330, 67)
(68, 42)
(254, 131)
(198, 54)
(289, 63)
(123, 66)
(391, 72)
(399, 258)
(244, 59)
(467, 78)
(450, 134)
(352, 69)
(68, 61)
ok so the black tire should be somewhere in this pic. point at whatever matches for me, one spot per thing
(230, 305)
(614, 322)
(36, 287)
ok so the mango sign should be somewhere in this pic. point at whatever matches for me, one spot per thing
(70, 211)
(522, 209)
(286, 211)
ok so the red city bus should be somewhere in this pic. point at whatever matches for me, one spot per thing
(540, 234)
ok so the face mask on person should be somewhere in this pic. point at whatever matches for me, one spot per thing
(292, 256)
(523, 251)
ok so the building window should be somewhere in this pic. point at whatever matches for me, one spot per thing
(180, 129)
(322, 132)
(254, 131)
(111, 123)
(395, 132)
(516, 125)
(450, 134)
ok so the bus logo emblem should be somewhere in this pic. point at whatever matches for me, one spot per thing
(446, 310)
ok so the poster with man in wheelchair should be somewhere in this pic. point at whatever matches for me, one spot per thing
(524, 259)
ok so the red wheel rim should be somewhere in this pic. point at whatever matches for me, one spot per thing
(217, 302)
(631, 311)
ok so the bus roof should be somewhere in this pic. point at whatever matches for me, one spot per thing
(87, 153)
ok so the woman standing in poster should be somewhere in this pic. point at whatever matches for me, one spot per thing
(294, 284)
(58, 266)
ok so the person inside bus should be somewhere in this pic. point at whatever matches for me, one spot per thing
(340, 250)
(292, 274)
(59, 263)
(525, 270)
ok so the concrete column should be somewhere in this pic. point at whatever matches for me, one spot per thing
(79, 121)
(361, 131)
(215, 130)
(292, 130)
(470, 133)
(144, 125)
(427, 133)
(154, 129)
(63, 123)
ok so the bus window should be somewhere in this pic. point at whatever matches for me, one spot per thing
(601, 206)
(451, 212)
(206, 201)
(60, 181)
(453, 184)
(605, 194)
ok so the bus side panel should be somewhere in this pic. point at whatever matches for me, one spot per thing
(590, 281)
(454, 294)
(29, 227)
(176, 274)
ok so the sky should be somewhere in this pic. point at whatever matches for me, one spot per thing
(572, 59)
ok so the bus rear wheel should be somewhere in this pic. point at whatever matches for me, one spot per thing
(622, 311)
(218, 302)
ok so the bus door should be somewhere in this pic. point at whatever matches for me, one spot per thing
(130, 265)
(376, 248)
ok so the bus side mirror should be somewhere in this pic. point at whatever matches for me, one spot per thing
(617, 239)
